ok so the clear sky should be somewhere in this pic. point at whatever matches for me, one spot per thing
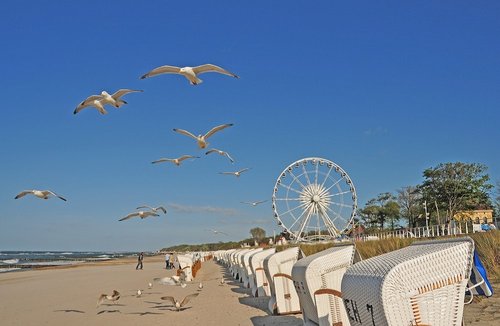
(385, 89)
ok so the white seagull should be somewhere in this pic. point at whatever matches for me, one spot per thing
(139, 293)
(216, 232)
(113, 297)
(191, 73)
(218, 151)
(176, 161)
(154, 209)
(179, 304)
(44, 194)
(202, 139)
(98, 101)
(254, 203)
(150, 285)
(200, 286)
(237, 173)
(141, 214)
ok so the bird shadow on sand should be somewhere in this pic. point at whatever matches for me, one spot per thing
(145, 313)
(113, 304)
(108, 312)
(276, 320)
(70, 310)
(153, 302)
(171, 308)
(258, 303)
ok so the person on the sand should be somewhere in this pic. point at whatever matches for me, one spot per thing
(139, 261)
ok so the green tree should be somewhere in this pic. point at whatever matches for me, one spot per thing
(258, 233)
(409, 202)
(381, 210)
(457, 186)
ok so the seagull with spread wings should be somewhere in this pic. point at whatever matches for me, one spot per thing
(222, 153)
(217, 232)
(110, 297)
(202, 139)
(141, 214)
(179, 304)
(237, 173)
(44, 194)
(98, 101)
(154, 209)
(254, 203)
(191, 73)
(176, 161)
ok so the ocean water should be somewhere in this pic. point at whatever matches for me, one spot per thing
(20, 260)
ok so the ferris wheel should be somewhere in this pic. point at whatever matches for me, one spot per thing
(314, 199)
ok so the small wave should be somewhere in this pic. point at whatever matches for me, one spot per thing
(66, 253)
(103, 256)
(5, 270)
(9, 261)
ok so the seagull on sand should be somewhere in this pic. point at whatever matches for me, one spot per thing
(150, 285)
(139, 293)
(202, 139)
(254, 203)
(216, 232)
(44, 194)
(176, 161)
(113, 297)
(179, 304)
(154, 209)
(200, 286)
(191, 73)
(98, 101)
(237, 173)
(172, 280)
(222, 281)
(223, 153)
(141, 214)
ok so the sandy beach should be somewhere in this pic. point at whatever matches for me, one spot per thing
(67, 296)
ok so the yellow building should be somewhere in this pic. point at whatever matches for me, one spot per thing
(476, 216)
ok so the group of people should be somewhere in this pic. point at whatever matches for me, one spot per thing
(488, 227)
(170, 261)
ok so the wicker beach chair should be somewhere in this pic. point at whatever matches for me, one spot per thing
(234, 263)
(423, 284)
(248, 274)
(278, 267)
(239, 262)
(260, 287)
(185, 264)
(317, 280)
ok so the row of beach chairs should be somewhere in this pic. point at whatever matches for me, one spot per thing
(423, 284)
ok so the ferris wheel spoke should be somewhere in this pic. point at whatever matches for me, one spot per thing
(338, 216)
(306, 174)
(306, 219)
(333, 185)
(295, 178)
(337, 194)
(297, 219)
(340, 204)
(316, 174)
(291, 210)
(291, 188)
(332, 229)
(327, 176)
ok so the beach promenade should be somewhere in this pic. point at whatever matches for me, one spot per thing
(68, 296)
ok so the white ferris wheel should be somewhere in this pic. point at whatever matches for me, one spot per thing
(314, 199)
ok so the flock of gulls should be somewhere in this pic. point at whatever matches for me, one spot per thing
(100, 101)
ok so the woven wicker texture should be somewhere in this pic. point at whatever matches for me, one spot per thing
(261, 287)
(186, 263)
(278, 269)
(423, 284)
(323, 271)
(248, 275)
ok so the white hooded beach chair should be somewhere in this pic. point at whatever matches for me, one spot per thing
(260, 286)
(185, 264)
(234, 263)
(278, 267)
(423, 284)
(317, 280)
(241, 268)
(247, 275)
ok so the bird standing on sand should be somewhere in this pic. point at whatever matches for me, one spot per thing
(202, 139)
(176, 161)
(141, 214)
(191, 73)
(44, 194)
(113, 297)
(154, 209)
(254, 203)
(222, 281)
(237, 173)
(200, 286)
(179, 304)
(150, 285)
(139, 293)
(223, 153)
(98, 101)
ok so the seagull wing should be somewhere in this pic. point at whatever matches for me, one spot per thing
(186, 133)
(229, 157)
(162, 160)
(260, 202)
(187, 298)
(246, 202)
(211, 151)
(243, 170)
(23, 193)
(170, 299)
(145, 206)
(161, 208)
(218, 128)
(162, 70)
(101, 299)
(119, 93)
(129, 216)
(232, 173)
(89, 101)
(165, 281)
(213, 68)
(185, 157)
(56, 195)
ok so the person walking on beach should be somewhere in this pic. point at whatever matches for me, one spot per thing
(167, 261)
(139, 261)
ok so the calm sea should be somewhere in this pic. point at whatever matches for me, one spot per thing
(20, 260)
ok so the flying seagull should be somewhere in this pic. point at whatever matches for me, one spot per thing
(154, 209)
(98, 101)
(44, 194)
(255, 203)
(191, 73)
(113, 297)
(141, 214)
(216, 232)
(223, 153)
(178, 305)
(176, 161)
(237, 173)
(202, 139)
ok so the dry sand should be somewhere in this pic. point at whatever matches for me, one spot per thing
(68, 296)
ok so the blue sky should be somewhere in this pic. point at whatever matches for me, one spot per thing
(384, 89)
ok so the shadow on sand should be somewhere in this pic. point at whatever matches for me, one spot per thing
(108, 312)
(258, 303)
(277, 321)
(70, 310)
